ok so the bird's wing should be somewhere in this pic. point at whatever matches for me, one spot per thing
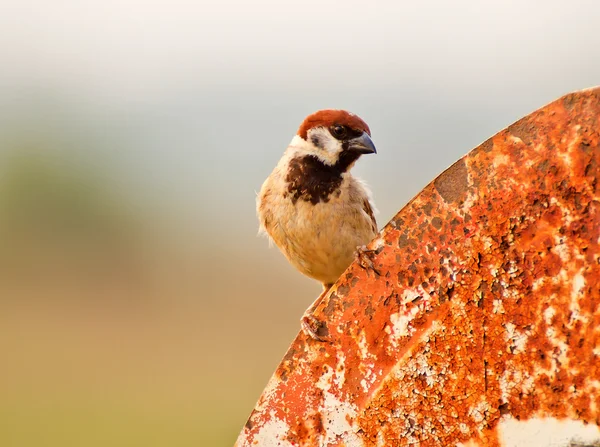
(369, 210)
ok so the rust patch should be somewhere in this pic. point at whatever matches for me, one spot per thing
(487, 308)
(453, 183)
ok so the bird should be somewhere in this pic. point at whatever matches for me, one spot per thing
(315, 211)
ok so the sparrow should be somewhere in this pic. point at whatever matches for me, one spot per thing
(313, 209)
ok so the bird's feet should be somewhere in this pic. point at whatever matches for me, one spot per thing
(315, 329)
(363, 256)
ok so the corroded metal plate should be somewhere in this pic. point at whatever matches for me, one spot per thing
(485, 321)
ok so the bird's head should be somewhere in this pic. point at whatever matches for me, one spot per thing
(335, 137)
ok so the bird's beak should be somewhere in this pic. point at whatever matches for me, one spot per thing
(362, 144)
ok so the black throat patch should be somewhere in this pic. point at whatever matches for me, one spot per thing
(311, 180)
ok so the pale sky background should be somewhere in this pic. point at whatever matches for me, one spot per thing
(210, 93)
(192, 103)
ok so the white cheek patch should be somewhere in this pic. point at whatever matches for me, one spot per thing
(326, 147)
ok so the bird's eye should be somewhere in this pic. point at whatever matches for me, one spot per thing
(338, 131)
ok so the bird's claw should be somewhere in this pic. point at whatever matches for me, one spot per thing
(363, 256)
(315, 329)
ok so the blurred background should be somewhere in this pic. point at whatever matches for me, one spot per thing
(138, 307)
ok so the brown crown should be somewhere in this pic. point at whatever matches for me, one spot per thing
(330, 117)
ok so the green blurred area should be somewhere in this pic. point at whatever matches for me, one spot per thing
(118, 325)
(56, 214)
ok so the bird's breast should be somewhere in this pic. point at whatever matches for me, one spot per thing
(319, 237)
(308, 179)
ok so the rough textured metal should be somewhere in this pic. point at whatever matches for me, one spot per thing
(486, 310)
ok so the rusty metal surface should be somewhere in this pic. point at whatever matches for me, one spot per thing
(487, 307)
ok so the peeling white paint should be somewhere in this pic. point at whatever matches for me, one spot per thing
(578, 284)
(498, 307)
(400, 323)
(425, 369)
(337, 413)
(478, 412)
(562, 250)
(592, 389)
(516, 338)
(336, 421)
(546, 432)
(367, 364)
(549, 314)
(513, 380)
(381, 441)
(340, 371)
(324, 383)
(271, 434)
